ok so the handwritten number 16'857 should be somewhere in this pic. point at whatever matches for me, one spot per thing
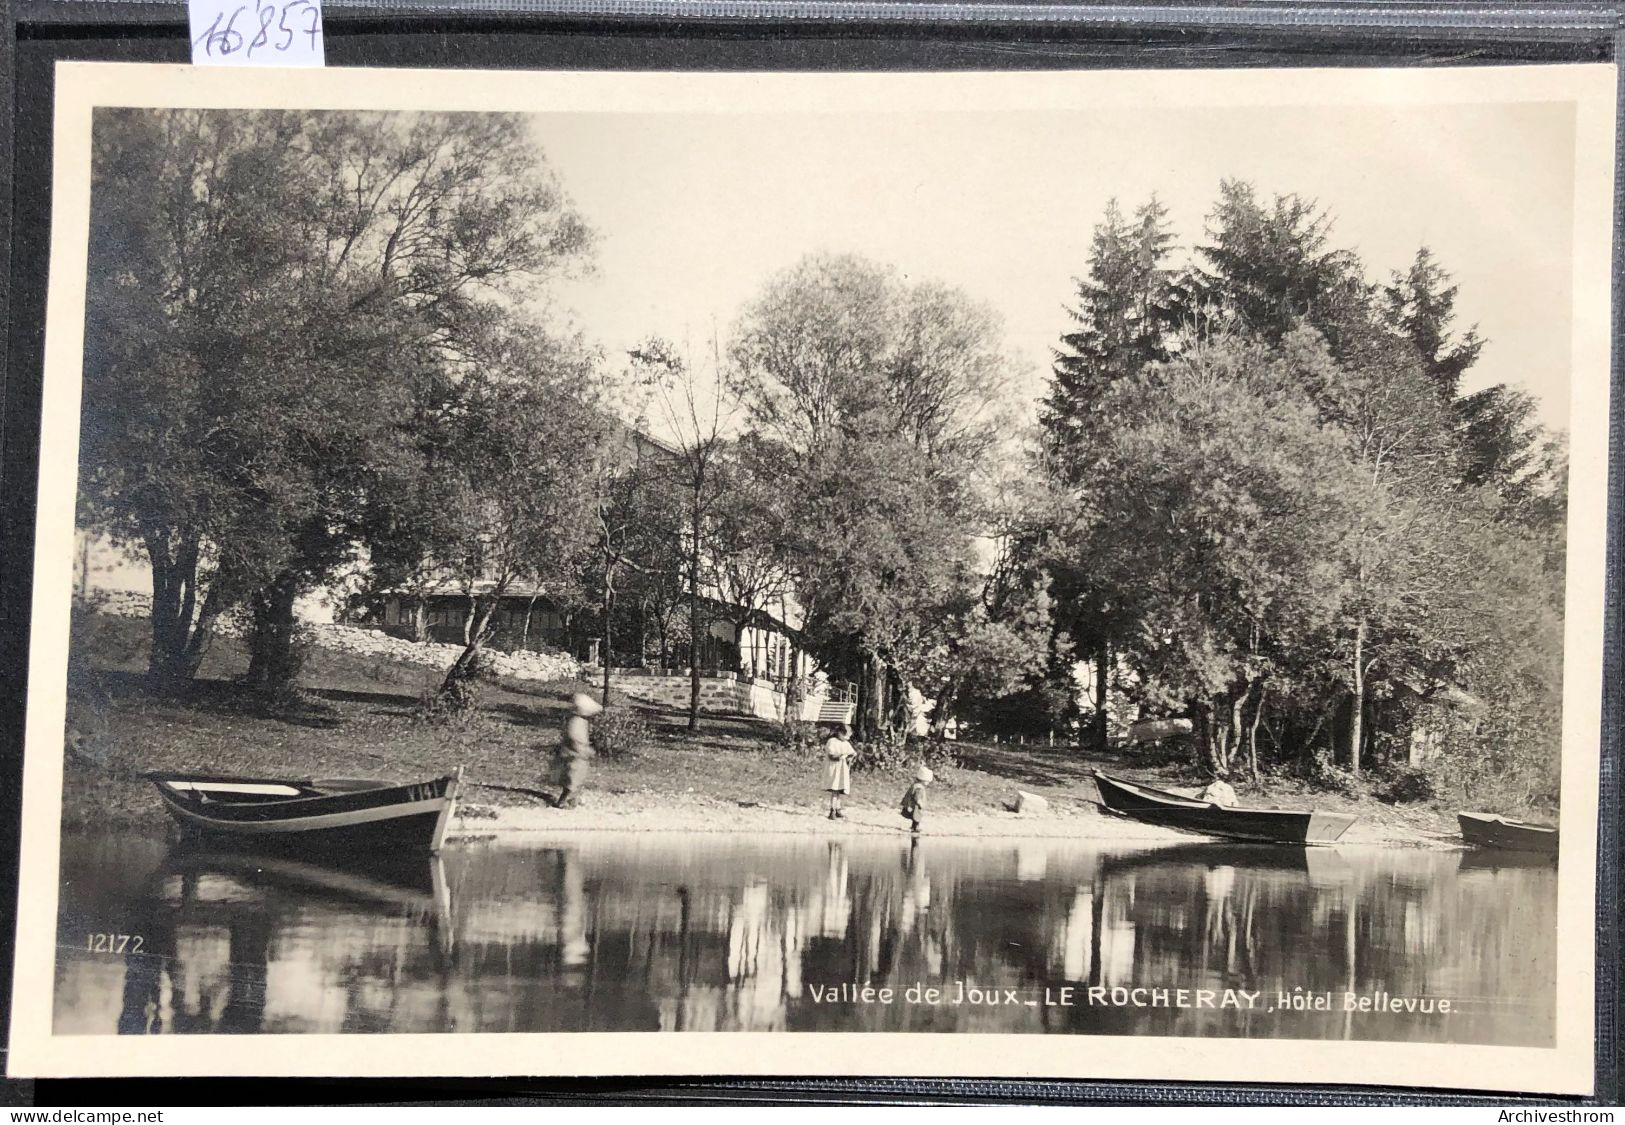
(278, 25)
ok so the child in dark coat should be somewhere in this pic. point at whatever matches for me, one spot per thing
(913, 806)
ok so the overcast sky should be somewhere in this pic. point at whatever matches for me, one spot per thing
(696, 212)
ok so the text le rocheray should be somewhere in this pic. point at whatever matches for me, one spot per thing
(1298, 1000)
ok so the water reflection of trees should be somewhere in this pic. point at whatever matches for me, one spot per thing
(653, 935)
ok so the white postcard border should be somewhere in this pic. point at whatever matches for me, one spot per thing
(1566, 1068)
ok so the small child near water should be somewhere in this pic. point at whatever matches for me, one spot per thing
(838, 772)
(913, 806)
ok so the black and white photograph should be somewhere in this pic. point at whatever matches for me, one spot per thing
(1077, 575)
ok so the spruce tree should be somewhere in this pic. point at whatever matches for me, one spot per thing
(1121, 322)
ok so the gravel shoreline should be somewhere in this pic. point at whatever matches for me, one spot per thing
(638, 813)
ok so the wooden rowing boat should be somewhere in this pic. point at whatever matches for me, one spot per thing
(324, 815)
(1486, 830)
(1272, 826)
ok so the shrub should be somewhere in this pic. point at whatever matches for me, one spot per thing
(1406, 786)
(798, 740)
(450, 705)
(621, 731)
(887, 753)
(1321, 772)
(939, 755)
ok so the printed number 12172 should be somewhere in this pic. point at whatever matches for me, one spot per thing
(114, 943)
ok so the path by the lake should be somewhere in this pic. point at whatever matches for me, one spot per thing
(1074, 819)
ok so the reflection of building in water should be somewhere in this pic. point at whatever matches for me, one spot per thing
(1031, 860)
(834, 908)
(917, 895)
(1113, 922)
(574, 947)
(1077, 936)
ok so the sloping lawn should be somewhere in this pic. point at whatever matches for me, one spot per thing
(359, 717)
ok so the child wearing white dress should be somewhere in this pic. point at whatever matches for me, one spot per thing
(838, 754)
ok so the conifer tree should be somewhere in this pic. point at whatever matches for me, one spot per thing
(1122, 321)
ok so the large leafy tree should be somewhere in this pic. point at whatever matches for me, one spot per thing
(266, 290)
(1217, 526)
(878, 403)
(519, 455)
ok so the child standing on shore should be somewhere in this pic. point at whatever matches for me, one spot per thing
(839, 753)
(572, 758)
(913, 805)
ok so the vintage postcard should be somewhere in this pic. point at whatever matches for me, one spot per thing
(1071, 574)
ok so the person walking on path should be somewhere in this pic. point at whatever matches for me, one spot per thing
(838, 753)
(572, 759)
(913, 805)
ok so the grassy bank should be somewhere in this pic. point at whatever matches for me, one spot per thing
(357, 717)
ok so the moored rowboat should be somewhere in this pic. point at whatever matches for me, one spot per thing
(1486, 830)
(340, 814)
(1274, 826)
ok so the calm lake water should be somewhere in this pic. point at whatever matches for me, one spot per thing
(647, 933)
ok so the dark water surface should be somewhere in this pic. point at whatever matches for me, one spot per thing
(617, 932)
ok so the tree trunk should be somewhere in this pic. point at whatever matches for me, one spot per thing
(1100, 735)
(1232, 735)
(420, 619)
(794, 690)
(1212, 756)
(174, 597)
(478, 629)
(609, 616)
(1200, 736)
(876, 717)
(1357, 711)
(202, 632)
(902, 700)
(1308, 750)
(524, 630)
(944, 710)
(271, 662)
(1252, 732)
(741, 627)
(694, 624)
(868, 719)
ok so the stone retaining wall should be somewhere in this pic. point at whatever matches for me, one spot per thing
(369, 642)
